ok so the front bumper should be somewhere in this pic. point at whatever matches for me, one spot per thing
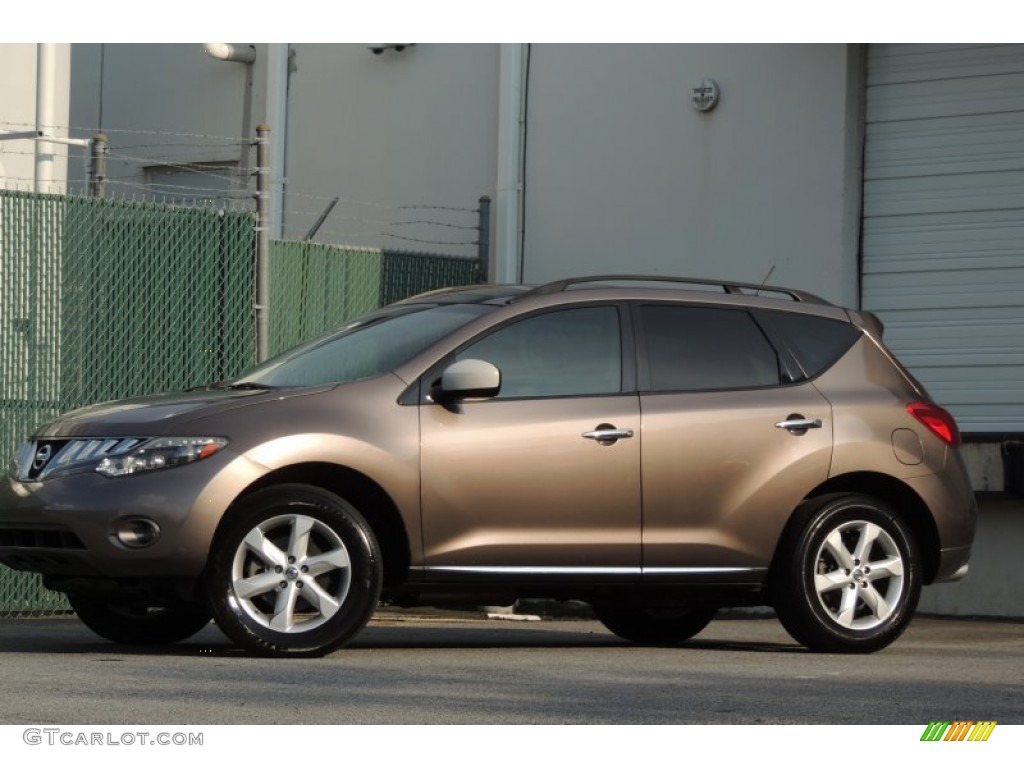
(64, 526)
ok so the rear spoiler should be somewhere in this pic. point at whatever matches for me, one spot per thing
(868, 321)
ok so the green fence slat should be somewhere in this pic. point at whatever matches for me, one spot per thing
(102, 299)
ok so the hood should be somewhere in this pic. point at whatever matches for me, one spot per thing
(157, 415)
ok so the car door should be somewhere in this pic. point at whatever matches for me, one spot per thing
(523, 483)
(731, 444)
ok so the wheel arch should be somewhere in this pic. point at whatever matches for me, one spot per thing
(373, 502)
(903, 500)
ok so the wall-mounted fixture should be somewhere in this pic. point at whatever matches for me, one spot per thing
(705, 96)
(242, 53)
(378, 48)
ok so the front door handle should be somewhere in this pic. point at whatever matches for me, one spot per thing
(797, 424)
(607, 434)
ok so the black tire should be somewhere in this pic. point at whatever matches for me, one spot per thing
(847, 576)
(313, 585)
(140, 625)
(655, 626)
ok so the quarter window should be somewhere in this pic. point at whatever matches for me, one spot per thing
(816, 342)
(705, 348)
(557, 354)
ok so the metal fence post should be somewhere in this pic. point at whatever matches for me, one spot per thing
(98, 151)
(262, 305)
(483, 243)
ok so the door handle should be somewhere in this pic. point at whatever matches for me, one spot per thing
(607, 434)
(797, 424)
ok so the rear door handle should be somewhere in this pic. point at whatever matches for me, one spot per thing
(797, 424)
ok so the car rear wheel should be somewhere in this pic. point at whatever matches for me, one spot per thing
(848, 576)
(654, 626)
(296, 571)
(140, 624)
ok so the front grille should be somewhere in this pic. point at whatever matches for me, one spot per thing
(39, 458)
(39, 538)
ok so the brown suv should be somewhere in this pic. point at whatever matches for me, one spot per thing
(658, 447)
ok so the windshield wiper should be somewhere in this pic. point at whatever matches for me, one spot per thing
(244, 385)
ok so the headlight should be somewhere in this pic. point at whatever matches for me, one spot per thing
(22, 460)
(160, 453)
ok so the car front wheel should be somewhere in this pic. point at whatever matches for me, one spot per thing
(140, 624)
(848, 575)
(296, 571)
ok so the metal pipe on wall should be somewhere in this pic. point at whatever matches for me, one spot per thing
(509, 188)
(277, 116)
(46, 111)
(242, 54)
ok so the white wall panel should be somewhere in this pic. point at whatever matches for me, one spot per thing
(623, 173)
(943, 237)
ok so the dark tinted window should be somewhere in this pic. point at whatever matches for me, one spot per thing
(700, 348)
(564, 353)
(367, 347)
(815, 342)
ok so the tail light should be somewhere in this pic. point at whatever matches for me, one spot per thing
(938, 420)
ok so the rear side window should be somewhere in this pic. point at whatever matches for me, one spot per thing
(704, 348)
(814, 342)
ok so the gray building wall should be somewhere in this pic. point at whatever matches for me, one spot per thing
(415, 128)
(18, 66)
(623, 172)
(619, 169)
(159, 105)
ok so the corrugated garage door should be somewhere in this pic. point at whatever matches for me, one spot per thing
(944, 222)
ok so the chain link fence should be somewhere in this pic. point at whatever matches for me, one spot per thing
(316, 287)
(103, 299)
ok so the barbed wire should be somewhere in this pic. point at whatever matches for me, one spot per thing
(240, 181)
(437, 208)
(157, 189)
(383, 222)
(22, 152)
(340, 236)
(234, 201)
(209, 168)
(146, 197)
(431, 242)
(92, 130)
(235, 145)
(370, 204)
(165, 190)
(200, 168)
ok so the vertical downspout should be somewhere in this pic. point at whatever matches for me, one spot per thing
(509, 188)
(277, 117)
(856, 147)
(46, 109)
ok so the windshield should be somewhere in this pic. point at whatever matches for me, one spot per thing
(370, 346)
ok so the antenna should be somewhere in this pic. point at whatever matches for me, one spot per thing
(765, 281)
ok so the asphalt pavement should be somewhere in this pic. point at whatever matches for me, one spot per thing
(446, 668)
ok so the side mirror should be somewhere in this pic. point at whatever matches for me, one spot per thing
(468, 378)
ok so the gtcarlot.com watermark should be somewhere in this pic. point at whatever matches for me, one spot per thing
(67, 737)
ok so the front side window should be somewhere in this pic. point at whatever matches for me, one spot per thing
(557, 354)
(704, 348)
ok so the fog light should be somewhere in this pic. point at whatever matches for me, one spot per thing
(137, 533)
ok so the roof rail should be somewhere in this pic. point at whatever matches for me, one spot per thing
(730, 286)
